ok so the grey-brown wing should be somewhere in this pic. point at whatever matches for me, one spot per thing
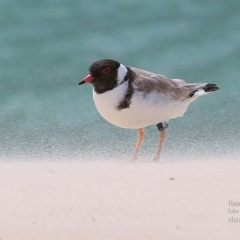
(173, 88)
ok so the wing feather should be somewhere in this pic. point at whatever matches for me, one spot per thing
(173, 88)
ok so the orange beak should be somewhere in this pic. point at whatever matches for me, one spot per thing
(89, 78)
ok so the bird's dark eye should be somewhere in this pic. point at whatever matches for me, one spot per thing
(106, 70)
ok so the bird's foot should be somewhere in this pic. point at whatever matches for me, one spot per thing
(134, 158)
(156, 159)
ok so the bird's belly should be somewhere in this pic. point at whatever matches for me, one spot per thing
(143, 110)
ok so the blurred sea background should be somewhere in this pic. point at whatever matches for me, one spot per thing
(48, 45)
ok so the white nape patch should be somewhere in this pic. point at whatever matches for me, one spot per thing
(122, 71)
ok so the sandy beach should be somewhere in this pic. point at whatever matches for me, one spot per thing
(118, 200)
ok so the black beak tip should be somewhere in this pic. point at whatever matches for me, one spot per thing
(82, 82)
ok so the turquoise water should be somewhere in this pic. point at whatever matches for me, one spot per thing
(47, 47)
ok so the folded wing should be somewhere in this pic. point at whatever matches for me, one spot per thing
(176, 89)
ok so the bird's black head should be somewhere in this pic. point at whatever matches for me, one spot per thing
(103, 75)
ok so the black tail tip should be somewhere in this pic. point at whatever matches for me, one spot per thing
(211, 87)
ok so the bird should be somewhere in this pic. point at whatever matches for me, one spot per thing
(134, 98)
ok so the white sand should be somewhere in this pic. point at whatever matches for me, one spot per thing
(114, 200)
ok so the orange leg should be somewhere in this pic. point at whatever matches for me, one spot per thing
(161, 140)
(139, 142)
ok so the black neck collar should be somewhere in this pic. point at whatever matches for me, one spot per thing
(129, 76)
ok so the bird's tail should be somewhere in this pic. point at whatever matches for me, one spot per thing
(210, 87)
(201, 89)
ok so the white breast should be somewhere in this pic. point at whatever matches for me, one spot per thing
(143, 111)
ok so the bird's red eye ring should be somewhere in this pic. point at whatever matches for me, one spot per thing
(106, 70)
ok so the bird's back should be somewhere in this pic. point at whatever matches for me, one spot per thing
(176, 89)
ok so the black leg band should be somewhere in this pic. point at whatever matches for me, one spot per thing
(161, 126)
